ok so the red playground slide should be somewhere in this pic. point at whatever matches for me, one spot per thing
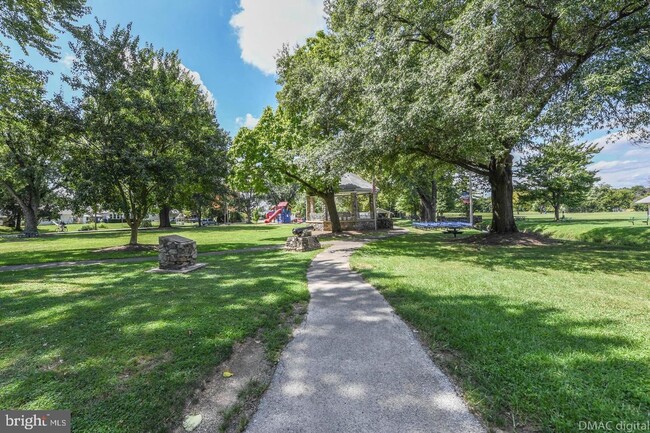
(273, 216)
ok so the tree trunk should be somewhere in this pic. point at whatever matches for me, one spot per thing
(423, 211)
(556, 205)
(17, 221)
(434, 200)
(134, 232)
(428, 204)
(31, 221)
(330, 203)
(249, 211)
(500, 176)
(163, 216)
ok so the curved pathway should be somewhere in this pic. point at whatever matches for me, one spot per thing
(354, 366)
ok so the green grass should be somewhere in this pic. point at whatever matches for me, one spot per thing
(548, 336)
(83, 246)
(51, 228)
(124, 349)
(614, 228)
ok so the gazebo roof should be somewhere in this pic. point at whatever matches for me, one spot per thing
(351, 183)
(644, 200)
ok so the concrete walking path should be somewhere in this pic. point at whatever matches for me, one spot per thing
(354, 366)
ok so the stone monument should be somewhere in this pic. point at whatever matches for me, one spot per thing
(302, 240)
(177, 254)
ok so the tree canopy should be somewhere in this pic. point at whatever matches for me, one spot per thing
(468, 82)
(145, 127)
(557, 173)
(33, 23)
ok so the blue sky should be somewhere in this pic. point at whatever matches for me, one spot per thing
(229, 45)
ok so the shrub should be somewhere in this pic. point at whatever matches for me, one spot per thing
(86, 227)
(146, 224)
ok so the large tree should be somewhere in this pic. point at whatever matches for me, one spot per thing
(557, 173)
(468, 82)
(143, 120)
(277, 150)
(32, 134)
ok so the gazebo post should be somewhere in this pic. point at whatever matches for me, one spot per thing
(355, 206)
(326, 214)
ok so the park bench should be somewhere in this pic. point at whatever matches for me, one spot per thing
(520, 218)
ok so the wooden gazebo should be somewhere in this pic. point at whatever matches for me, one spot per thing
(359, 210)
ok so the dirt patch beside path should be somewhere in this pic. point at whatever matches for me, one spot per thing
(128, 248)
(227, 401)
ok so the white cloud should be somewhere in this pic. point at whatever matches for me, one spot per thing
(249, 121)
(609, 165)
(621, 162)
(68, 60)
(196, 79)
(263, 26)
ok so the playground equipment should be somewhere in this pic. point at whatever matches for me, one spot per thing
(279, 212)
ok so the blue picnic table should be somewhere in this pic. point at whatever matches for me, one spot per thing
(450, 227)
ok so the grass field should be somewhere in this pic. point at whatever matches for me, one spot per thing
(124, 349)
(614, 228)
(83, 246)
(544, 336)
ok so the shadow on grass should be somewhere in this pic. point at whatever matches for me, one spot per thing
(66, 248)
(518, 359)
(123, 349)
(565, 256)
(611, 232)
(528, 362)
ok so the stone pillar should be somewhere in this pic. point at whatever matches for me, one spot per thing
(176, 252)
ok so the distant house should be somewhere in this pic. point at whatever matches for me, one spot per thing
(66, 216)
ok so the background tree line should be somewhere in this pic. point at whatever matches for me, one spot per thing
(137, 136)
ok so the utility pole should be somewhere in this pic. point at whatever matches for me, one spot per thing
(471, 201)
(374, 200)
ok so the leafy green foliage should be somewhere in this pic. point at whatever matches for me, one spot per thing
(469, 82)
(558, 173)
(278, 151)
(145, 127)
(33, 132)
(33, 23)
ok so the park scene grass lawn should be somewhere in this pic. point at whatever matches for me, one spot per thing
(612, 228)
(84, 246)
(124, 349)
(539, 337)
(352, 116)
